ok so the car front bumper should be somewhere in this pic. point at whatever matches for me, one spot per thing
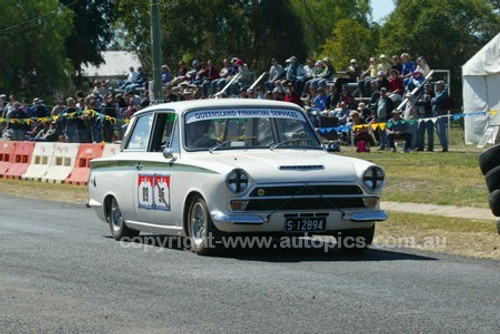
(275, 221)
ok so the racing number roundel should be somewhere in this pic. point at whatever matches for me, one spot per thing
(153, 192)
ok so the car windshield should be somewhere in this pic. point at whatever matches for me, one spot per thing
(248, 129)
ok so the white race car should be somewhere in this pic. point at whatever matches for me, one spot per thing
(212, 168)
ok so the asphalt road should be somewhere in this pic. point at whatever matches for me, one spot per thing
(60, 272)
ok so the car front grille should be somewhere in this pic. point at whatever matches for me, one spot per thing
(304, 197)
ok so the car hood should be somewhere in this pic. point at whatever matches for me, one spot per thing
(287, 165)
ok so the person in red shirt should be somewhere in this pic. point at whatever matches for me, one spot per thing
(396, 87)
(292, 96)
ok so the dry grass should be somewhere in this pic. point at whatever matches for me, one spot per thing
(48, 191)
(441, 234)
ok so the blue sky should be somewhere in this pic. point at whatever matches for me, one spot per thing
(381, 8)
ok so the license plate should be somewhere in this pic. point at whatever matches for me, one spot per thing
(305, 224)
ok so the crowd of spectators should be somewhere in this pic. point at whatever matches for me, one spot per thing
(315, 86)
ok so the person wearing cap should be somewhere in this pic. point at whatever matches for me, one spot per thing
(397, 128)
(425, 124)
(17, 128)
(275, 73)
(295, 73)
(410, 115)
(383, 110)
(438, 104)
(277, 93)
(328, 74)
(381, 80)
(353, 72)
(341, 113)
(416, 81)
(244, 79)
(292, 96)
(384, 65)
(367, 76)
(37, 110)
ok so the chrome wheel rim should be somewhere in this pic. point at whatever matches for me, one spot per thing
(116, 217)
(198, 223)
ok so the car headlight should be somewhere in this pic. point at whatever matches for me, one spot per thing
(237, 181)
(373, 177)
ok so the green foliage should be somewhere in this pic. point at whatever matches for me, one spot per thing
(349, 39)
(252, 30)
(92, 30)
(32, 36)
(319, 18)
(446, 32)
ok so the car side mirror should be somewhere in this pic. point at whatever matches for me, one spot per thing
(168, 154)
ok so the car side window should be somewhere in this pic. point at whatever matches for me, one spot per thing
(139, 137)
(163, 131)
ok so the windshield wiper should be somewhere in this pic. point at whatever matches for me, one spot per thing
(272, 147)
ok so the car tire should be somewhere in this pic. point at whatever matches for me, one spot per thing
(201, 230)
(493, 179)
(355, 240)
(117, 225)
(494, 200)
(489, 159)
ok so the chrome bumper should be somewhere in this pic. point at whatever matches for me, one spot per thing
(376, 216)
(228, 218)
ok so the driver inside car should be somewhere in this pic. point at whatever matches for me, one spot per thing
(198, 135)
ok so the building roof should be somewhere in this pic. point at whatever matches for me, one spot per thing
(116, 63)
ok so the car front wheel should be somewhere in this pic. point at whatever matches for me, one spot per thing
(203, 234)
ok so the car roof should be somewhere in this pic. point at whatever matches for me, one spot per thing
(183, 106)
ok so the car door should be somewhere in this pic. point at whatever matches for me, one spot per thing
(122, 178)
(154, 175)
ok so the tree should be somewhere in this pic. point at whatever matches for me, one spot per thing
(447, 33)
(319, 17)
(350, 39)
(33, 54)
(92, 31)
(217, 29)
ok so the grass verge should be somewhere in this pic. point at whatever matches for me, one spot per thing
(466, 237)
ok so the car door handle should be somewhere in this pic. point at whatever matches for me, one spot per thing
(139, 166)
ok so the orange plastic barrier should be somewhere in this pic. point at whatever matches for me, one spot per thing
(7, 149)
(21, 161)
(80, 173)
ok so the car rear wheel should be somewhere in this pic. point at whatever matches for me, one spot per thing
(202, 232)
(117, 225)
(355, 240)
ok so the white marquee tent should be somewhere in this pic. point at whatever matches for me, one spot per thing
(481, 91)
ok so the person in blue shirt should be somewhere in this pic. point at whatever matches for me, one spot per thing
(438, 110)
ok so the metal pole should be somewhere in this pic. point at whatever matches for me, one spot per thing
(156, 46)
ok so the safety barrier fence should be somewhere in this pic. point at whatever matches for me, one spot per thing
(51, 162)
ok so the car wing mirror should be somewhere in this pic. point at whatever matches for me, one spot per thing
(168, 154)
